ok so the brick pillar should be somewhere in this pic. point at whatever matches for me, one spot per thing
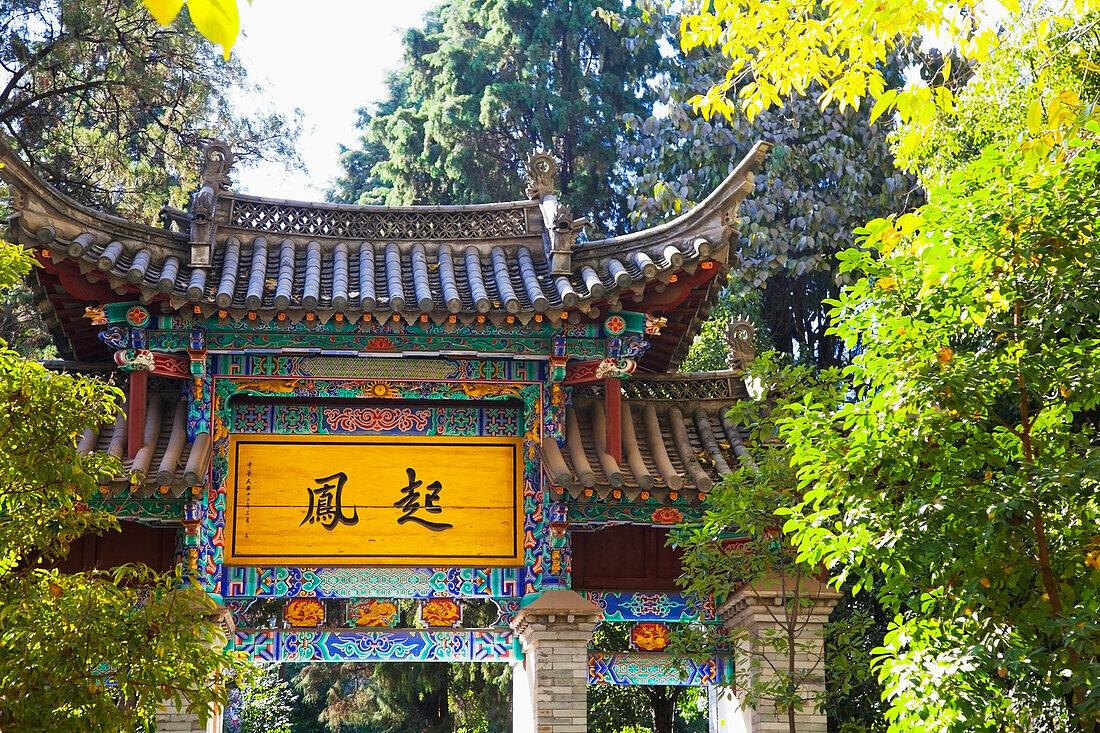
(550, 686)
(760, 612)
(173, 720)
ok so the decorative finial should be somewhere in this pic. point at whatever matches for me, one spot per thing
(541, 170)
(217, 159)
(739, 335)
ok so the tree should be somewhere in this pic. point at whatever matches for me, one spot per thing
(486, 82)
(969, 462)
(21, 324)
(92, 650)
(827, 174)
(944, 479)
(266, 703)
(410, 696)
(640, 708)
(957, 480)
(739, 547)
(114, 110)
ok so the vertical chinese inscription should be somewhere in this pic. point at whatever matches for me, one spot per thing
(326, 502)
(247, 499)
(410, 503)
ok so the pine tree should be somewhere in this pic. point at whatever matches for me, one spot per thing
(486, 82)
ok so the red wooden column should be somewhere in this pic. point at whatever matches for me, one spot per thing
(135, 412)
(613, 398)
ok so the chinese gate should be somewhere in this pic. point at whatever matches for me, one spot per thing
(390, 434)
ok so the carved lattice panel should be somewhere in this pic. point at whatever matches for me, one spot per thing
(378, 225)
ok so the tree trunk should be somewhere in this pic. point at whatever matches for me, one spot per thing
(663, 701)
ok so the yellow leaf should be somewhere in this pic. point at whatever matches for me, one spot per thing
(217, 20)
(1035, 117)
(163, 11)
(1069, 98)
(883, 103)
(1054, 110)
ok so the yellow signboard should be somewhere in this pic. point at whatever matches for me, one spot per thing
(350, 500)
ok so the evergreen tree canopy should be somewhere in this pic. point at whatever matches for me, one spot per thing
(827, 174)
(113, 109)
(484, 83)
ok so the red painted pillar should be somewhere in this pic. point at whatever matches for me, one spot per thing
(613, 397)
(135, 412)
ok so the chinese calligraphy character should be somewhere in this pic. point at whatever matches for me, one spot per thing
(410, 504)
(325, 503)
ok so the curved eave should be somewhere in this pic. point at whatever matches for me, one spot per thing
(716, 212)
(677, 441)
(38, 205)
(288, 259)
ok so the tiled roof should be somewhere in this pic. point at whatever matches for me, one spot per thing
(271, 257)
(669, 444)
(166, 465)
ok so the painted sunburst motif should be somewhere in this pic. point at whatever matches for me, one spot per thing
(650, 637)
(373, 613)
(383, 390)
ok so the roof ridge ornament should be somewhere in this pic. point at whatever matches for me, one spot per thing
(739, 335)
(541, 168)
(218, 161)
(561, 228)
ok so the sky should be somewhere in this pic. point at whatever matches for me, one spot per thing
(327, 58)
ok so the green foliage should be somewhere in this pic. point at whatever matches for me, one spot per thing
(21, 325)
(113, 109)
(709, 350)
(94, 650)
(956, 478)
(642, 709)
(413, 696)
(827, 174)
(964, 479)
(267, 702)
(738, 547)
(484, 83)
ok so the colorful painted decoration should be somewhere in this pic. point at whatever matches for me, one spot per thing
(137, 316)
(666, 515)
(615, 325)
(650, 637)
(375, 614)
(657, 669)
(303, 612)
(487, 645)
(441, 612)
(420, 582)
(97, 314)
(658, 606)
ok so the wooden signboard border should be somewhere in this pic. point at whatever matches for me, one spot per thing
(234, 506)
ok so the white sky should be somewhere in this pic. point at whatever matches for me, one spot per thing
(327, 58)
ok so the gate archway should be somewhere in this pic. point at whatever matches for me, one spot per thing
(346, 407)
